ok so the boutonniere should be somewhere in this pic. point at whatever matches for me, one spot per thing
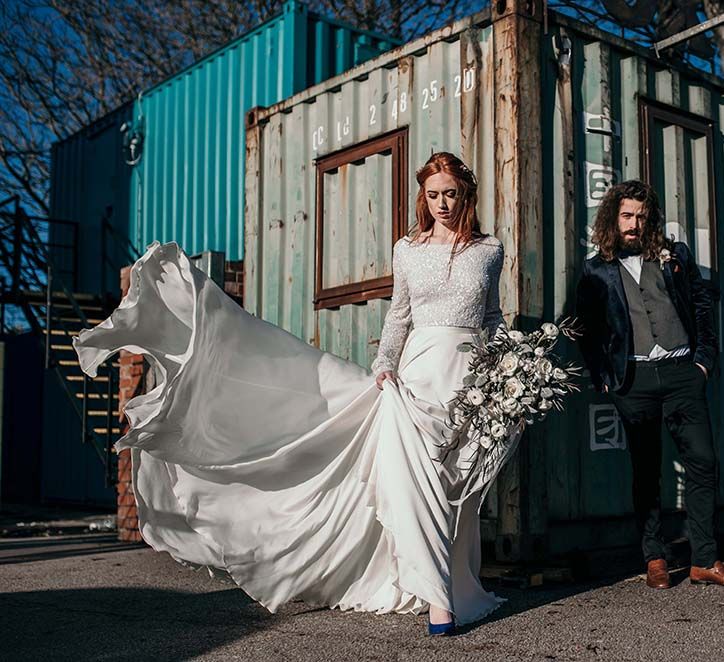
(664, 256)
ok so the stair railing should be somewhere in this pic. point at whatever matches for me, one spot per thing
(39, 260)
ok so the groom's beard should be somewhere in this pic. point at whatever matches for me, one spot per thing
(630, 243)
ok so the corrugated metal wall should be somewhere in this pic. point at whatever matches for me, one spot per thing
(442, 88)
(421, 91)
(88, 173)
(189, 185)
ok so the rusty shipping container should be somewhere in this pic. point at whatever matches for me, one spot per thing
(548, 112)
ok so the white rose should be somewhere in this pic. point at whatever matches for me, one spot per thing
(497, 430)
(560, 374)
(525, 348)
(544, 405)
(475, 396)
(510, 405)
(513, 388)
(544, 367)
(550, 330)
(546, 393)
(539, 351)
(516, 336)
(509, 364)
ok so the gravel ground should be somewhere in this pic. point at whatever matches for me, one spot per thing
(88, 597)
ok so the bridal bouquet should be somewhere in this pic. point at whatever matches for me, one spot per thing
(514, 379)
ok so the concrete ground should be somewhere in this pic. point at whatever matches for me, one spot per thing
(89, 597)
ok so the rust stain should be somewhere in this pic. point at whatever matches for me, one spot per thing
(470, 101)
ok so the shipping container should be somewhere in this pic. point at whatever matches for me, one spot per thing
(189, 183)
(549, 113)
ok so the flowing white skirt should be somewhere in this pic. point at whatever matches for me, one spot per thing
(285, 466)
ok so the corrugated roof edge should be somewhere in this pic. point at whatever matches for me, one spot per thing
(623, 44)
(209, 56)
(253, 32)
(479, 19)
(95, 126)
(260, 114)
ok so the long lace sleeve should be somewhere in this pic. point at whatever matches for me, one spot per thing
(397, 320)
(493, 317)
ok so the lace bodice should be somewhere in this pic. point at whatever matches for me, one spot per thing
(423, 295)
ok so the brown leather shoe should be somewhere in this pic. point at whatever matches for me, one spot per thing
(657, 574)
(713, 575)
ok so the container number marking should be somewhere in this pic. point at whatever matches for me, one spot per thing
(401, 108)
(429, 94)
(317, 138)
(343, 129)
(464, 82)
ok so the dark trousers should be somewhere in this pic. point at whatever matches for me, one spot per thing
(672, 391)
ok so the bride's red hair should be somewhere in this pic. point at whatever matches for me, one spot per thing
(464, 218)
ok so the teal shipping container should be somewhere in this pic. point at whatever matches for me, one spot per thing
(549, 113)
(187, 180)
(189, 183)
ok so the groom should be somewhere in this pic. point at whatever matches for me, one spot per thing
(649, 341)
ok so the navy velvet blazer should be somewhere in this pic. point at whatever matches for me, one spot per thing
(602, 310)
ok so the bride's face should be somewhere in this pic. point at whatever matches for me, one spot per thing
(441, 193)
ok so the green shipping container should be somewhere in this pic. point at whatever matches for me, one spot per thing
(549, 116)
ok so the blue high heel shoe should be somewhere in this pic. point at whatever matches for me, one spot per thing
(437, 629)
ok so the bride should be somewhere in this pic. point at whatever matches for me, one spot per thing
(296, 472)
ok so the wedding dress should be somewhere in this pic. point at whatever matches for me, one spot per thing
(263, 457)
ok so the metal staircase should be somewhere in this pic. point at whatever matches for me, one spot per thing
(41, 271)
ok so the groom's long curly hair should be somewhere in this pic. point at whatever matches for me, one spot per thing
(464, 216)
(606, 234)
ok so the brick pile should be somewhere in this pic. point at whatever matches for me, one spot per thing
(130, 377)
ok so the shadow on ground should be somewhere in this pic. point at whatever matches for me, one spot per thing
(24, 550)
(123, 623)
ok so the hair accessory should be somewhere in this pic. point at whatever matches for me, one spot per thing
(464, 168)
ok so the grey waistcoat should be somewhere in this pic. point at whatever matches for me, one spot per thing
(653, 315)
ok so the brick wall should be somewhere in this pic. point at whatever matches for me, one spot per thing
(130, 378)
(131, 374)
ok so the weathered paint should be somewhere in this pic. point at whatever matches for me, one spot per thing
(370, 101)
(189, 184)
(567, 111)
